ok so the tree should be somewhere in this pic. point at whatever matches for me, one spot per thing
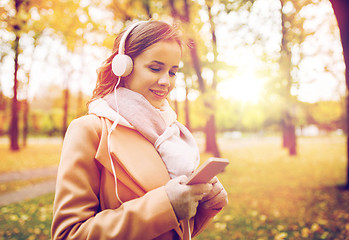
(32, 17)
(341, 8)
(295, 35)
(210, 129)
(292, 35)
(19, 22)
(25, 86)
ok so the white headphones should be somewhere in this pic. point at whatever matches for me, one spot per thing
(122, 64)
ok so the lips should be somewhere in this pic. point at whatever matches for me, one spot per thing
(159, 93)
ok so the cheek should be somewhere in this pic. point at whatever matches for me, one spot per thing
(136, 80)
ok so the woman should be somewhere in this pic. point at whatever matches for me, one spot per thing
(124, 165)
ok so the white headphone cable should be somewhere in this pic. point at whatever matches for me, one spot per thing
(113, 126)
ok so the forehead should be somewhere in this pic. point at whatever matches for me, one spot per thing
(167, 52)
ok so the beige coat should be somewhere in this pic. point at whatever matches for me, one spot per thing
(86, 206)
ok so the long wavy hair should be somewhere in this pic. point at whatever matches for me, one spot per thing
(139, 39)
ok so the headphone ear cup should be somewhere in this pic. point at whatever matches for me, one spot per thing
(122, 65)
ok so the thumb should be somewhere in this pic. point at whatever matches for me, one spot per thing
(181, 179)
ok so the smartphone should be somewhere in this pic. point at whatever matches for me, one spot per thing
(207, 170)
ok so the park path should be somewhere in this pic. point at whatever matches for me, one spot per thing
(30, 191)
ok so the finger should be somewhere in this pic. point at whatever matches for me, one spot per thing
(214, 180)
(219, 201)
(182, 179)
(199, 189)
(215, 191)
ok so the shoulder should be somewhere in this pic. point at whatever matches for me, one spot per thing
(88, 124)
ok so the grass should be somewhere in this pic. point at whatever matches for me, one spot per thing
(29, 220)
(271, 195)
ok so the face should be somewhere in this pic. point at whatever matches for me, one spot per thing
(154, 71)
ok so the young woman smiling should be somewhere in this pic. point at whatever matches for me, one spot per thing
(123, 165)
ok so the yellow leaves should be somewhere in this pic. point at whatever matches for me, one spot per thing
(326, 112)
(44, 214)
(13, 217)
(254, 213)
(220, 226)
(315, 227)
(228, 218)
(274, 196)
(24, 217)
(280, 236)
(305, 232)
(263, 218)
(27, 220)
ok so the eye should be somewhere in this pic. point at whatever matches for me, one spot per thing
(172, 73)
(155, 69)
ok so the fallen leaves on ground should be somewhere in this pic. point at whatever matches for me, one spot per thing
(271, 196)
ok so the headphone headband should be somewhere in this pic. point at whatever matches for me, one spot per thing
(125, 35)
(122, 64)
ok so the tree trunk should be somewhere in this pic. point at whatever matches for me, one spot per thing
(26, 110)
(289, 133)
(341, 8)
(14, 117)
(292, 148)
(347, 181)
(25, 122)
(288, 125)
(285, 138)
(211, 143)
(146, 5)
(210, 128)
(197, 65)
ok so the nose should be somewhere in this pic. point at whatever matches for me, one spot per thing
(164, 80)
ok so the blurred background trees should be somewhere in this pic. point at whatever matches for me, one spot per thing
(260, 66)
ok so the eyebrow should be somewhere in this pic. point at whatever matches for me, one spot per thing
(161, 63)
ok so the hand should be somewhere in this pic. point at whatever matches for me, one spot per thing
(217, 198)
(185, 198)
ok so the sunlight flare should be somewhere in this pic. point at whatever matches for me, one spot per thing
(246, 87)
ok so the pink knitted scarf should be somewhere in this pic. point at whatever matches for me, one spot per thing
(171, 139)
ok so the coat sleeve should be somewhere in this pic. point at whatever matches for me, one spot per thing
(76, 211)
(202, 219)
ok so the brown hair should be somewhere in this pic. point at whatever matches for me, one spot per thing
(139, 39)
